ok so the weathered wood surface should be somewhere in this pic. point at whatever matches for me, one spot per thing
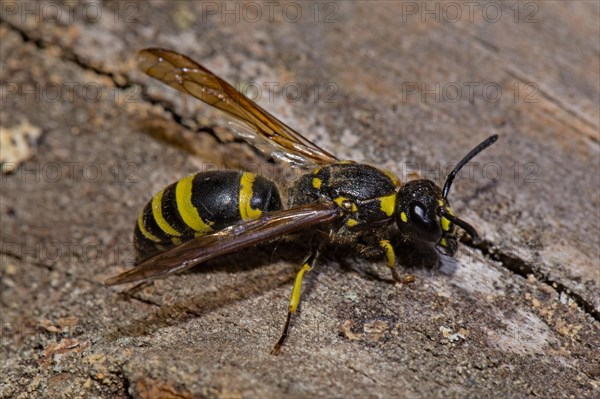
(517, 316)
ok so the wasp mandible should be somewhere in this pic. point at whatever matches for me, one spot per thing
(214, 213)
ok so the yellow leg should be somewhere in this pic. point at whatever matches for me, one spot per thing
(295, 299)
(390, 256)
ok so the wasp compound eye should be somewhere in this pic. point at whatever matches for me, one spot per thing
(424, 222)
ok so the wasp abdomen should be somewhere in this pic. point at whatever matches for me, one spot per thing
(199, 204)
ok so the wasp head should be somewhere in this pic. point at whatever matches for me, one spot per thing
(423, 213)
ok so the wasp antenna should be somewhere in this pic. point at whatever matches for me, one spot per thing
(482, 146)
(463, 225)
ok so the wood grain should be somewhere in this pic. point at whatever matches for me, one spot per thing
(389, 83)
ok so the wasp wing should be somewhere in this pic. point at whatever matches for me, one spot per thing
(228, 240)
(186, 75)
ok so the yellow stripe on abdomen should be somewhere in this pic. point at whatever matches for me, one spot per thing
(246, 193)
(159, 218)
(145, 231)
(187, 210)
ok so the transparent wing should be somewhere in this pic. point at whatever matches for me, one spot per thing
(228, 240)
(186, 75)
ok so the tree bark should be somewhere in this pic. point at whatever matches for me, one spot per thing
(407, 86)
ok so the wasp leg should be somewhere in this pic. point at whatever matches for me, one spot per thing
(135, 289)
(383, 249)
(390, 256)
(307, 266)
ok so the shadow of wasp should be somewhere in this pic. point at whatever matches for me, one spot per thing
(210, 214)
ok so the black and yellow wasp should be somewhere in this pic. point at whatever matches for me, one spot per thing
(210, 214)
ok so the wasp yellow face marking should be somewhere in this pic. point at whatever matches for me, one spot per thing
(144, 231)
(388, 204)
(316, 182)
(346, 204)
(445, 224)
(390, 255)
(447, 208)
(351, 222)
(159, 218)
(403, 217)
(246, 211)
(187, 210)
(443, 242)
(444, 221)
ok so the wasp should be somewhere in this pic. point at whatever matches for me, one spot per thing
(340, 202)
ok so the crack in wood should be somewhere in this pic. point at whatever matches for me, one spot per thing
(356, 370)
(523, 268)
(72, 57)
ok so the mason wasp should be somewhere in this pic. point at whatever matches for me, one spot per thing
(210, 214)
